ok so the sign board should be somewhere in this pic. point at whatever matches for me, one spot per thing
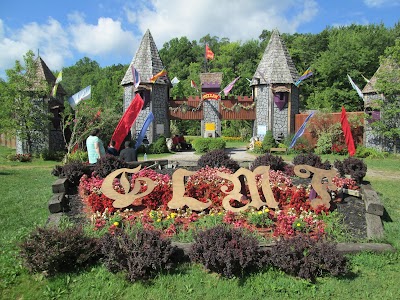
(211, 96)
(209, 126)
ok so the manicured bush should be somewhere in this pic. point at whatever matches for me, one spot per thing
(269, 141)
(52, 250)
(352, 166)
(275, 162)
(52, 155)
(215, 144)
(73, 171)
(227, 251)
(311, 159)
(108, 164)
(142, 254)
(216, 159)
(203, 145)
(159, 146)
(308, 258)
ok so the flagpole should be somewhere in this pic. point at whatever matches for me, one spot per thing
(205, 57)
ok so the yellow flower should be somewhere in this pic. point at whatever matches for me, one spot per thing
(173, 215)
(266, 210)
(116, 224)
(220, 213)
(298, 224)
(260, 212)
(168, 217)
(158, 220)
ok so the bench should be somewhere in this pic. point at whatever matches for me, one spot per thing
(277, 150)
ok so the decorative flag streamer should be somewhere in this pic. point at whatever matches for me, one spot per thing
(158, 75)
(84, 94)
(228, 88)
(301, 130)
(193, 85)
(209, 53)
(347, 133)
(58, 80)
(175, 81)
(355, 87)
(136, 77)
(127, 120)
(142, 133)
(307, 73)
(367, 80)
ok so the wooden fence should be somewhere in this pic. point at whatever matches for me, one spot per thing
(8, 141)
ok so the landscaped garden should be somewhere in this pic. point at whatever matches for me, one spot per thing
(111, 258)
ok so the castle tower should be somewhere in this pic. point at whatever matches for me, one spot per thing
(50, 136)
(210, 88)
(148, 63)
(274, 91)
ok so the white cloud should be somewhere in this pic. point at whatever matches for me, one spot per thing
(49, 39)
(380, 3)
(106, 37)
(237, 20)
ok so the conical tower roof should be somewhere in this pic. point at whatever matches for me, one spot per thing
(276, 65)
(44, 73)
(147, 62)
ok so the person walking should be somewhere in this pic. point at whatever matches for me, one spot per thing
(128, 154)
(94, 146)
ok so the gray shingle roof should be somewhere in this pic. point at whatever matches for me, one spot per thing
(276, 65)
(147, 62)
(43, 72)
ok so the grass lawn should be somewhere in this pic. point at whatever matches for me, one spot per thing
(26, 188)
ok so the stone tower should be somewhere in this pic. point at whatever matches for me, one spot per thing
(274, 91)
(148, 63)
(50, 137)
(211, 86)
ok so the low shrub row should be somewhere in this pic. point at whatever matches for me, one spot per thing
(141, 253)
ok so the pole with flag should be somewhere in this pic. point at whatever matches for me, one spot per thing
(58, 80)
(208, 55)
(347, 132)
(228, 88)
(301, 130)
(142, 133)
(163, 72)
(355, 87)
(127, 120)
(307, 73)
(84, 94)
(136, 77)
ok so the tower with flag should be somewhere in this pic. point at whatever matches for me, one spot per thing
(148, 77)
(275, 91)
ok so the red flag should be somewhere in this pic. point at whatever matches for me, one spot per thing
(127, 120)
(209, 53)
(347, 133)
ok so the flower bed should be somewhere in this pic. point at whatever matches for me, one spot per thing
(293, 216)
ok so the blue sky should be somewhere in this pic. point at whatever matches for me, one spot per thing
(109, 31)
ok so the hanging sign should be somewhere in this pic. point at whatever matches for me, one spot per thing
(211, 96)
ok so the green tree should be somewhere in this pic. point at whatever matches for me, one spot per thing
(24, 103)
(388, 84)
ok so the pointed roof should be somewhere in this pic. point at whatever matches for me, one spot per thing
(369, 88)
(44, 73)
(276, 65)
(147, 62)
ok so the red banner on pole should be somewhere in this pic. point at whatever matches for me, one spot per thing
(127, 120)
(347, 133)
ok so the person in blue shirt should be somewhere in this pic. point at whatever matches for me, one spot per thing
(94, 146)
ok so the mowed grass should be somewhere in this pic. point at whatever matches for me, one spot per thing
(25, 189)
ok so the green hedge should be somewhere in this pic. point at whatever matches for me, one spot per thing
(203, 145)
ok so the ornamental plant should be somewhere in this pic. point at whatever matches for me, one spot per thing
(306, 257)
(226, 251)
(217, 158)
(275, 162)
(352, 166)
(311, 159)
(108, 164)
(141, 255)
(52, 250)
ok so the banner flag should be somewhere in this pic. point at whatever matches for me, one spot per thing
(193, 85)
(228, 88)
(59, 77)
(158, 75)
(175, 81)
(84, 94)
(209, 53)
(54, 90)
(347, 133)
(127, 120)
(301, 130)
(355, 87)
(142, 133)
(307, 73)
(136, 77)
